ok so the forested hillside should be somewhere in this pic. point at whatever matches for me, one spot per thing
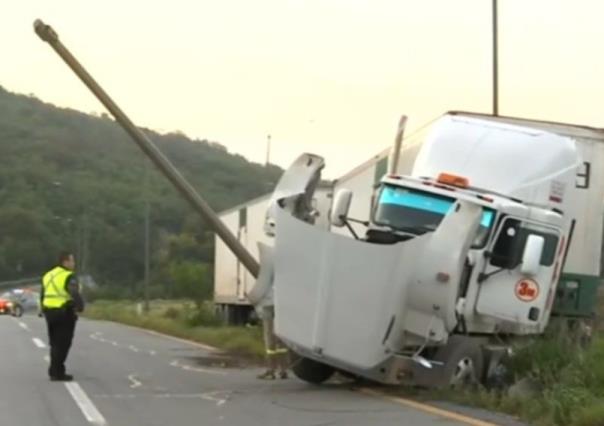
(76, 181)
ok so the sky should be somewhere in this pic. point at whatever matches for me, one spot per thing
(331, 77)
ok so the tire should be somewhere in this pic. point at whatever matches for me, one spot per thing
(312, 371)
(463, 360)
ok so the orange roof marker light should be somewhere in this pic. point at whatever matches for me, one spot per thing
(453, 180)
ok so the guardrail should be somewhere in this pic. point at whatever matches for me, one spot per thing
(20, 282)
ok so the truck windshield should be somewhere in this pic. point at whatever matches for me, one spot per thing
(418, 212)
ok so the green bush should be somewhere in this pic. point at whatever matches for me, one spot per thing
(172, 313)
(203, 316)
(191, 280)
(590, 415)
(571, 378)
(562, 400)
(108, 293)
(565, 372)
(544, 359)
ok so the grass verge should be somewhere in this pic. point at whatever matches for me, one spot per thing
(567, 385)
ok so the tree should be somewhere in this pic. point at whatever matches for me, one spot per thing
(73, 181)
(191, 280)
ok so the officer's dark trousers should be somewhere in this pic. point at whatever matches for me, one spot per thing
(61, 326)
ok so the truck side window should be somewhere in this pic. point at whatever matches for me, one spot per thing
(509, 247)
(502, 255)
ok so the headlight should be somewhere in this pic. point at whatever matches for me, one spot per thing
(9, 305)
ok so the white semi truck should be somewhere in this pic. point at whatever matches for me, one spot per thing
(498, 218)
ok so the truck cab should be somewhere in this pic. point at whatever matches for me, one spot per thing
(516, 246)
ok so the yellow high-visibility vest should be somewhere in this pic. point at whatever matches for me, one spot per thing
(55, 291)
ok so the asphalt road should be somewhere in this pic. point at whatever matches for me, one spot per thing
(129, 377)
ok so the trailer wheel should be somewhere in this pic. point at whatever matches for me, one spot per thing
(312, 371)
(463, 360)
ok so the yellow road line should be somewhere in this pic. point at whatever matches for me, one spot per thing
(428, 408)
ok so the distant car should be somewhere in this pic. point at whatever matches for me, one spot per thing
(18, 301)
(6, 306)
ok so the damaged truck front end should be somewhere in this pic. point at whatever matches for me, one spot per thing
(365, 308)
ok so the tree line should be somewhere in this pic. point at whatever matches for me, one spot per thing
(76, 181)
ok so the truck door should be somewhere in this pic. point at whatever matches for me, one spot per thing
(505, 292)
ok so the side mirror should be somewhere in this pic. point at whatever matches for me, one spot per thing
(531, 258)
(341, 205)
(269, 219)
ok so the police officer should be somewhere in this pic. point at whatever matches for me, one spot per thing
(60, 299)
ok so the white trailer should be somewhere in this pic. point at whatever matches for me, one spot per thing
(231, 279)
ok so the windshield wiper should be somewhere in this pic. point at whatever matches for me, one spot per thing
(412, 231)
(417, 229)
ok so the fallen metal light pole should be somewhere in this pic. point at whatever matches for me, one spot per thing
(46, 33)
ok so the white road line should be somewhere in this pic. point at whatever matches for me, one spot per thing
(164, 395)
(178, 339)
(117, 396)
(213, 396)
(177, 363)
(96, 336)
(39, 343)
(23, 325)
(88, 408)
(134, 383)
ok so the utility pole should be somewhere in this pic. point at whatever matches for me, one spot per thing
(495, 62)
(268, 150)
(85, 252)
(165, 166)
(78, 238)
(147, 242)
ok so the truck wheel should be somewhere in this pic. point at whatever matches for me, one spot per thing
(312, 371)
(463, 362)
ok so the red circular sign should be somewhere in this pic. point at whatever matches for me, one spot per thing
(527, 290)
